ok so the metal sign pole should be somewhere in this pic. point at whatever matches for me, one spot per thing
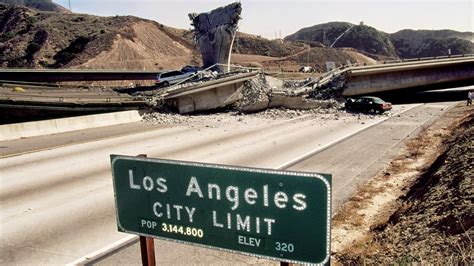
(147, 248)
(147, 245)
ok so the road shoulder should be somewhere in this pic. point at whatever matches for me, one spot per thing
(373, 205)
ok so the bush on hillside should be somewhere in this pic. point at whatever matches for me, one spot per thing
(68, 54)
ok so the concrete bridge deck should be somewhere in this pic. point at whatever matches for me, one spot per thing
(414, 75)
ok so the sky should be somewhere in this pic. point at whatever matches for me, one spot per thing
(274, 18)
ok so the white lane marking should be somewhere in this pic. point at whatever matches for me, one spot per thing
(122, 242)
(313, 152)
(116, 136)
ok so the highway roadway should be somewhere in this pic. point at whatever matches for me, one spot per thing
(57, 203)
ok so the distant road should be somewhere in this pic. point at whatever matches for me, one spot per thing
(57, 205)
(59, 75)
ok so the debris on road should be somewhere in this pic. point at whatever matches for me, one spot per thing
(331, 91)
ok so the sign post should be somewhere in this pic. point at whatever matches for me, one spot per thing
(147, 245)
(279, 215)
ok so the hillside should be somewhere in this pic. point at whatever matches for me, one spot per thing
(424, 43)
(403, 44)
(31, 38)
(360, 37)
(42, 5)
(324, 34)
(256, 45)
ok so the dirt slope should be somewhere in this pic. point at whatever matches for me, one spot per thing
(419, 209)
(151, 48)
(435, 224)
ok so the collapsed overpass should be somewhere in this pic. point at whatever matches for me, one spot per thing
(412, 75)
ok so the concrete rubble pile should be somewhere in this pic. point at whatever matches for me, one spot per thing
(294, 84)
(331, 91)
(259, 95)
(256, 95)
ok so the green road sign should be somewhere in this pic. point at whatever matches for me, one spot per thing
(273, 214)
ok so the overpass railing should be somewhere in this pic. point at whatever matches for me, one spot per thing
(184, 84)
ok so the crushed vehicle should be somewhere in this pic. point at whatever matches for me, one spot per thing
(164, 79)
(368, 104)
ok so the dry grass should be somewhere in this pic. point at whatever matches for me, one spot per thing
(347, 215)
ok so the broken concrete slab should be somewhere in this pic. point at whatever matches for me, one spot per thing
(214, 33)
(256, 95)
(208, 95)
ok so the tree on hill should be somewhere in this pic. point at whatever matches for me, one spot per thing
(426, 43)
(323, 33)
(361, 37)
(367, 39)
(403, 44)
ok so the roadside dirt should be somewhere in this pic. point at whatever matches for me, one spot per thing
(419, 208)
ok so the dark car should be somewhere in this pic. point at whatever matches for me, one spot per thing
(368, 104)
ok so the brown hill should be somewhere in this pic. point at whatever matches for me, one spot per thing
(31, 38)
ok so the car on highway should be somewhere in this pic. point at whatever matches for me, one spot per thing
(368, 104)
(164, 79)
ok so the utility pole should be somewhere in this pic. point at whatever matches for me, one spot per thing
(340, 36)
(324, 36)
(70, 5)
(307, 58)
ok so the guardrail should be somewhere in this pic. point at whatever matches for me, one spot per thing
(410, 65)
(427, 58)
(419, 59)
